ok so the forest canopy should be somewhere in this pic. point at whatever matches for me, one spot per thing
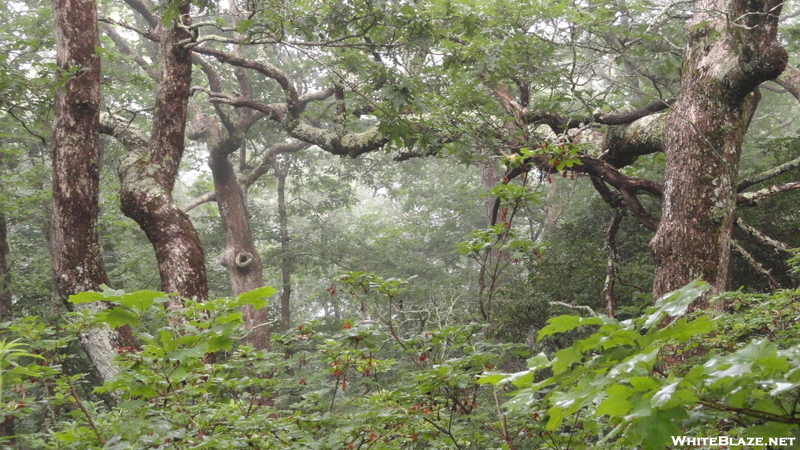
(380, 224)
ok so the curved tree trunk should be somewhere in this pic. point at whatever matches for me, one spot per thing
(732, 48)
(76, 255)
(148, 172)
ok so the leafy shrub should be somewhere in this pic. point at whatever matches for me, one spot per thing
(725, 375)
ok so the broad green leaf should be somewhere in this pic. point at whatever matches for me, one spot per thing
(217, 343)
(616, 402)
(655, 431)
(643, 384)
(140, 300)
(85, 297)
(537, 362)
(117, 317)
(664, 394)
(682, 330)
(228, 318)
(676, 303)
(188, 353)
(670, 396)
(641, 362)
(774, 430)
(257, 297)
(492, 378)
(556, 417)
(565, 358)
(564, 323)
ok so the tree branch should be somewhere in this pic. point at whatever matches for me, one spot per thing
(790, 80)
(767, 174)
(755, 264)
(124, 48)
(262, 168)
(752, 198)
(776, 245)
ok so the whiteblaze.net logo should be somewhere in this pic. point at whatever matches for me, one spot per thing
(725, 441)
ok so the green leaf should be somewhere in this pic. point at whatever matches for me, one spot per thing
(640, 362)
(676, 303)
(189, 353)
(564, 323)
(643, 384)
(492, 378)
(257, 297)
(655, 431)
(85, 297)
(682, 330)
(556, 417)
(565, 358)
(670, 396)
(140, 300)
(217, 343)
(616, 402)
(117, 317)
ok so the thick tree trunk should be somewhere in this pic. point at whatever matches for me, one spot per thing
(76, 256)
(147, 175)
(732, 48)
(240, 256)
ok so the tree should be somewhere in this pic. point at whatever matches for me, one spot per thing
(732, 49)
(149, 169)
(76, 255)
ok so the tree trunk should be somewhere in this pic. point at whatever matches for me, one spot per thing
(147, 175)
(281, 172)
(6, 305)
(76, 256)
(7, 425)
(732, 48)
(240, 256)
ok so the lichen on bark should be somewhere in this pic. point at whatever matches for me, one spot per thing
(703, 137)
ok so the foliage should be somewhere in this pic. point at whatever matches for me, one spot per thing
(372, 384)
(615, 388)
(191, 385)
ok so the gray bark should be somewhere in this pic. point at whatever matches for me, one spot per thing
(148, 171)
(76, 254)
(732, 49)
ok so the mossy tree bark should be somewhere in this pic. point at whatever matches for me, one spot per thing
(148, 172)
(76, 255)
(732, 48)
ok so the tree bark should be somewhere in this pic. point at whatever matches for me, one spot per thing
(281, 172)
(240, 256)
(76, 254)
(732, 48)
(148, 172)
(7, 425)
(6, 307)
